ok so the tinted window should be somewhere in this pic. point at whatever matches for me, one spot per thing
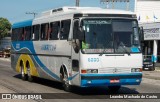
(44, 31)
(14, 34)
(54, 30)
(20, 35)
(27, 33)
(65, 28)
(35, 34)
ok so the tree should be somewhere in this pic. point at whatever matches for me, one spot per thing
(5, 27)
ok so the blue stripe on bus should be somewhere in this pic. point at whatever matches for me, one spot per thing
(135, 49)
(22, 24)
(29, 45)
(106, 82)
(127, 74)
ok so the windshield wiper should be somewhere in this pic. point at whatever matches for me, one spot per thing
(102, 52)
(104, 47)
(124, 48)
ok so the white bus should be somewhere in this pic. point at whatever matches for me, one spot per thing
(81, 46)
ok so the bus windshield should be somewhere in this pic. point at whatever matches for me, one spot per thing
(110, 36)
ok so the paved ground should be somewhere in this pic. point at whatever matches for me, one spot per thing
(152, 74)
(10, 82)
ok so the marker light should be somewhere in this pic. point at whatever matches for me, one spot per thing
(83, 71)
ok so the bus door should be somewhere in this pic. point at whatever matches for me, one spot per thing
(75, 55)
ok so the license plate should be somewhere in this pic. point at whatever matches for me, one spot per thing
(114, 81)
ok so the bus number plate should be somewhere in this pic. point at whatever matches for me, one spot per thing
(114, 81)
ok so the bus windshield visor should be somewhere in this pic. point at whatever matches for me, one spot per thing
(110, 36)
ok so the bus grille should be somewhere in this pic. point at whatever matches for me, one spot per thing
(114, 70)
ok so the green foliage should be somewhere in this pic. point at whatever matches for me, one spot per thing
(5, 26)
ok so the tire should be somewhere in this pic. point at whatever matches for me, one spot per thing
(30, 77)
(65, 82)
(114, 88)
(23, 75)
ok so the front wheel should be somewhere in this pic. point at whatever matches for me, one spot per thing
(65, 81)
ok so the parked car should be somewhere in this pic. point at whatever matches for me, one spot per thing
(148, 64)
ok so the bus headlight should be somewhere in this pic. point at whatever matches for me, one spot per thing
(136, 70)
(89, 71)
(92, 70)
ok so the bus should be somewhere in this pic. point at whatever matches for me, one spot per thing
(79, 46)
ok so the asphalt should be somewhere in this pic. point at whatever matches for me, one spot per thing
(146, 74)
(152, 74)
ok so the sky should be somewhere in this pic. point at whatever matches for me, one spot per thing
(15, 10)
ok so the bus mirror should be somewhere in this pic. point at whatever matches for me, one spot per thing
(78, 32)
(141, 33)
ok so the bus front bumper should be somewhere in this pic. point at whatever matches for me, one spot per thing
(89, 80)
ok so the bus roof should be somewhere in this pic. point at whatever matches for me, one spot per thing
(82, 10)
(22, 24)
(69, 11)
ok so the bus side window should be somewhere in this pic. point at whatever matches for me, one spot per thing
(20, 34)
(65, 29)
(27, 33)
(35, 33)
(44, 31)
(14, 34)
(54, 30)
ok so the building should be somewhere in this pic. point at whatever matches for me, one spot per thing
(148, 16)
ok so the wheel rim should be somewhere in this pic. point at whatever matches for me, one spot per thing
(28, 72)
(30, 78)
(22, 72)
(65, 80)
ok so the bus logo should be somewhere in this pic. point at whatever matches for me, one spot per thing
(93, 59)
(115, 70)
(48, 47)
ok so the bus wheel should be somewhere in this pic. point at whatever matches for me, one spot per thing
(23, 75)
(65, 82)
(30, 77)
(114, 88)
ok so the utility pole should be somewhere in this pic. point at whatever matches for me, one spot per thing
(77, 3)
(32, 13)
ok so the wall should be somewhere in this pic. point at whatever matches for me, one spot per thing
(147, 9)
